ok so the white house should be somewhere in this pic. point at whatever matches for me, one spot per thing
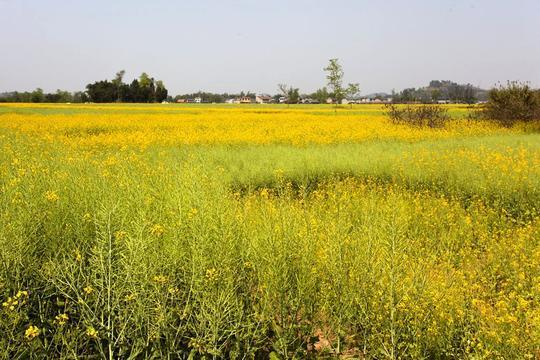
(263, 99)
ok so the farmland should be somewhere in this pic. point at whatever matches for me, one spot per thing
(300, 231)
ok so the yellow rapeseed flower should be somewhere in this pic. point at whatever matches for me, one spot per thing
(31, 332)
(10, 303)
(61, 319)
(211, 274)
(51, 196)
(120, 234)
(160, 279)
(88, 290)
(192, 213)
(91, 332)
(173, 290)
(21, 293)
(157, 230)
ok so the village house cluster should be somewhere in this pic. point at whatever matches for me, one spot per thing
(269, 99)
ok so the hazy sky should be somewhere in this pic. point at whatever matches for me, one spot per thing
(254, 45)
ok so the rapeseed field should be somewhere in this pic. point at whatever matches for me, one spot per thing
(211, 231)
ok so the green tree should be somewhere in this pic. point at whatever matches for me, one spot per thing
(135, 91)
(294, 95)
(144, 80)
(79, 97)
(37, 95)
(63, 96)
(161, 91)
(146, 88)
(118, 82)
(435, 95)
(321, 95)
(335, 80)
(291, 94)
(101, 91)
(352, 91)
(119, 77)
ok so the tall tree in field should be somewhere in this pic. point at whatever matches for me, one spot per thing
(294, 95)
(144, 80)
(119, 77)
(161, 91)
(37, 95)
(147, 89)
(335, 80)
(118, 82)
(352, 91)
(135, 92)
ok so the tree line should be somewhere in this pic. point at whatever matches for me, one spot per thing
(39, 96)
(145, 89)
(142, 90)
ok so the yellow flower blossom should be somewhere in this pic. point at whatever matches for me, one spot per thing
(120, 234)
(211, 274)
(91, 332)
(51, 196)
(88, 290)
(192, 213)
(61, 319)
(31, 332)
(160, 279)
(173, 290)
(157, 230)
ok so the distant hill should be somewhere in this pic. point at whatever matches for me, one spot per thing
(377, 95)
(448, 89)
(443, 90)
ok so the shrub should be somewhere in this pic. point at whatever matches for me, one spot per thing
(433, 116)
(511, 103)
